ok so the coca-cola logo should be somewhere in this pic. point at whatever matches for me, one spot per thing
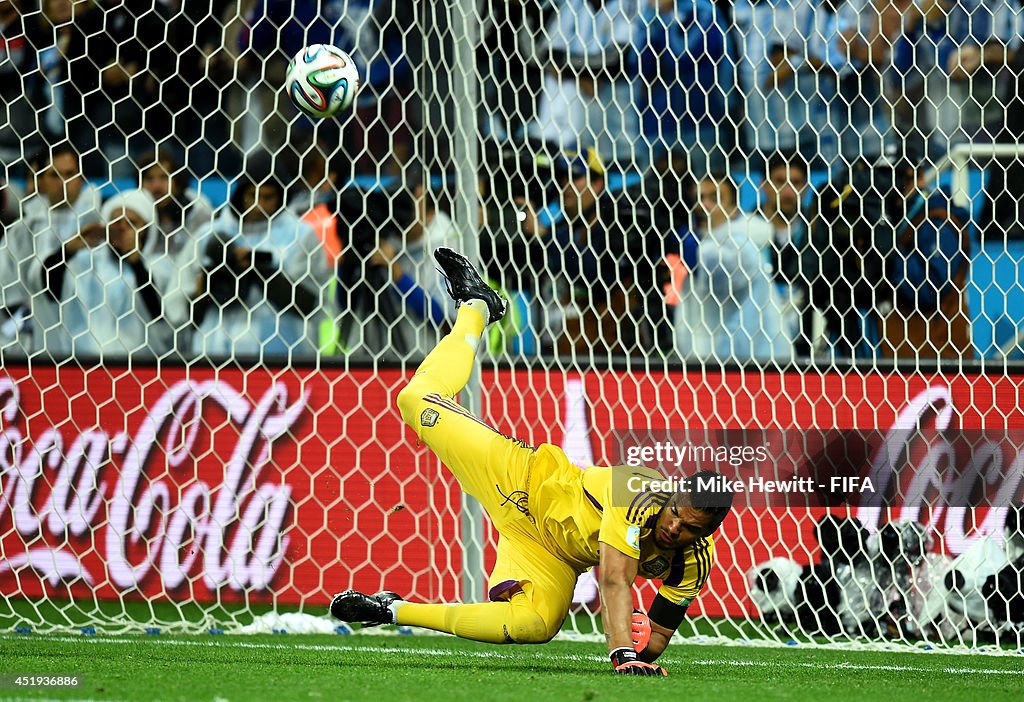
(138, 502)
(938, 484)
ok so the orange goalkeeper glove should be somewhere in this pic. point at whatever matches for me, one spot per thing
(641, 630)
(626, 663)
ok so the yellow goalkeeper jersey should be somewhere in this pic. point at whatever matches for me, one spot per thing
(577, 510)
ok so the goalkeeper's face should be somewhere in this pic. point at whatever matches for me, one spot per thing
(679, 525)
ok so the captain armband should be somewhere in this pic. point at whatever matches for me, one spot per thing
(666, 613)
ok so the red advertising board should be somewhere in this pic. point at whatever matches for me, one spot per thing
(289, 485)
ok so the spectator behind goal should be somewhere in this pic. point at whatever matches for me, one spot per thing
(687, 77)
(114, 299)
(885, 254)
(601, 252)
(729, 309)
(263, 278)
(181, 212)
(62, 206)
(588, 94)
(392, 299)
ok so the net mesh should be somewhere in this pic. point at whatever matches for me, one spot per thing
(798, 215)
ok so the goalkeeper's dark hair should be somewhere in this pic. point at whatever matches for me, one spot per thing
(708, 492)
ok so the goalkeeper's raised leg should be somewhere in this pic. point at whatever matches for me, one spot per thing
(491, 467)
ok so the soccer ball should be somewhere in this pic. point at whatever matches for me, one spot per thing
(322, 80)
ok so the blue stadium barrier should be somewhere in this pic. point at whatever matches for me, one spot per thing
(995, 295)
(995, 289)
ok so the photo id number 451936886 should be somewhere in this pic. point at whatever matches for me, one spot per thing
(9, 681)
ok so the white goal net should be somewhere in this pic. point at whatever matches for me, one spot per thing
(790, 231)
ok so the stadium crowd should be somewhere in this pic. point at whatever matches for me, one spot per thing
(660, 178)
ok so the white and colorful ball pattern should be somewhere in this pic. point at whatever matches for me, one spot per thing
(322, 80)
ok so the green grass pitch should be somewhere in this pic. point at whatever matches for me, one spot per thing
(394, 668)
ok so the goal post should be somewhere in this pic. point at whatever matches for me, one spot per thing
(962, 156)
(465, 157)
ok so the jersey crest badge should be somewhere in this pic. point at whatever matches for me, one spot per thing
(655, 566)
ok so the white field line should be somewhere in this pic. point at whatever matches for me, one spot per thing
(858, 666)
(440, 652)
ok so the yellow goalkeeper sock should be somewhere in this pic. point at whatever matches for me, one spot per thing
(471, 321)
(491, 622)
(449, 364)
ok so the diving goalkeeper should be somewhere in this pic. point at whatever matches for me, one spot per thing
(554, 520)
